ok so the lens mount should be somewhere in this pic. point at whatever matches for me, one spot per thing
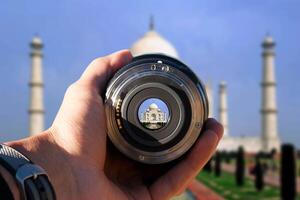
(166, 128)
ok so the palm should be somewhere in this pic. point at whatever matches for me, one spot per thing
(133, 178)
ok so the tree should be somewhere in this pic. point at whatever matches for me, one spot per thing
(218, 164)
(259, 174)
(288, 172)
(240, 167)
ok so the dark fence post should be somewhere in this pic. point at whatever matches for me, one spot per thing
(259, 174)
(240, 167)
(218, 164)
(288, 172)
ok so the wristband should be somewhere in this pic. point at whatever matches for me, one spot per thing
(32, 180)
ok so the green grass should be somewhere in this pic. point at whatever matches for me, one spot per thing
(225, 186)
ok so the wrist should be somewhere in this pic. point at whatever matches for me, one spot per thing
(43, 151)
(11, 183)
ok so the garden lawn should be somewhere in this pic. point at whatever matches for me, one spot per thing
(225, 186)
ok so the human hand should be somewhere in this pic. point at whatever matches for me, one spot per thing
(82, 164)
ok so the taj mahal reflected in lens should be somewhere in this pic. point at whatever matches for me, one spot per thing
(153, 114)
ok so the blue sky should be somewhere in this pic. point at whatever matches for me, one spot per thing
(220, 40)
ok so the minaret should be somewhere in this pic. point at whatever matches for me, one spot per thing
(270, 139)
(209, 92)
(36, 107)
(223, 114)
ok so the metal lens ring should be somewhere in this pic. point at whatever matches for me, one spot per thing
(155, 108)
(154, 140)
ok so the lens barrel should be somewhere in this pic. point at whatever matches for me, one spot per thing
(155, 108)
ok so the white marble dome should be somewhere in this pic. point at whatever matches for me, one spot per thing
(36, 40)
(268, 39)
(153, 106)
(153, 42)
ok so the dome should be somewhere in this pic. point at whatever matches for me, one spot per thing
(268, 41)
(223, 83)
(152, 42)
(153, 106)
(36, 40)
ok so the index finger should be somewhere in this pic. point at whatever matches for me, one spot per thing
(179, 176)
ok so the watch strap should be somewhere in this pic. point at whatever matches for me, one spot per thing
(11, 159)
(32, 179)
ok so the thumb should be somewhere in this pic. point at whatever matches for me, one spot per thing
(101, 69)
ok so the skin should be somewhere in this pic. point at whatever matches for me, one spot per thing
(82, 164)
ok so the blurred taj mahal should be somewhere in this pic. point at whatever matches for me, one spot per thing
(153, 42)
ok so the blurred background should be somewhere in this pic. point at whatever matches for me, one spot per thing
(246, 53)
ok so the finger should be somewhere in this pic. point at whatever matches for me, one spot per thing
(215, 126)
(179, 176)
(101, 69)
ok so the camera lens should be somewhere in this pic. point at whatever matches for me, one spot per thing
(155, 109)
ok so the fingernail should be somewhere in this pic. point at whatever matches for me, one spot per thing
(213, 125)
(210, 123)
(127, 58)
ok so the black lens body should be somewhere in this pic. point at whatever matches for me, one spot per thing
(177, 125)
